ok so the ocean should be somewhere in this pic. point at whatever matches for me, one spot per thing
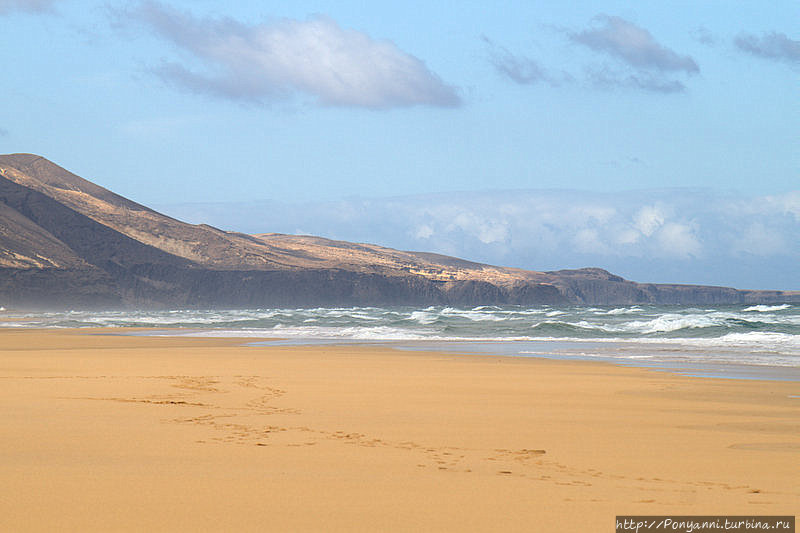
(737, 341)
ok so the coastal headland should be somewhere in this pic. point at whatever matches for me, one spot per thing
(104, 431)
(67, 243)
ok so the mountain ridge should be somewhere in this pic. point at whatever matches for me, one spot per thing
(66, 241)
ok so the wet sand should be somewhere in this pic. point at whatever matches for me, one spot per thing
(105, 432)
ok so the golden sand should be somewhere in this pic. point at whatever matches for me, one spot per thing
(104, 432)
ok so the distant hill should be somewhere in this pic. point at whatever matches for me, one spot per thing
(67, 242)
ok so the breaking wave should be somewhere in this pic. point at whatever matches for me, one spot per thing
(752, 334)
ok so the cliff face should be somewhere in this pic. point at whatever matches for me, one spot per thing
(592, 286)
(66, 242)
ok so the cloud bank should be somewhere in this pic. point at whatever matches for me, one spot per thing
(686, 236)
(271, 61)
(775, 46)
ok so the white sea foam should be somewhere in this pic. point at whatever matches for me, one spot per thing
(742, 333)
(761, 340)
(620, 311)
(766, 308)
(345, 335)
(300, 333)
(670, 322)
(743, 343)
(472, 315)
(424, 317)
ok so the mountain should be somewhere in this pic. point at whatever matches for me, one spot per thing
(67, 242)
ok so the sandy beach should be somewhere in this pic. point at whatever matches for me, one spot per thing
(107, 432)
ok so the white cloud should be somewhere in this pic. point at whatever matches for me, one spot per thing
(642, 61)
(788, 203)
(314, 57)
(628, 236)
(588, 240)
(633, 45)
(424, 232)
(678, 240)
(648, 219)
(634, 59)
(774, 45)
(758, 239)
(487, 231)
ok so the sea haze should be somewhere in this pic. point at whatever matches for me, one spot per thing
(683, 235)
(724, 341)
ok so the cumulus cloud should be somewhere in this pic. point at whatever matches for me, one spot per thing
(589, 241)
(487, 230)
(316, 57)
(423, 232)
(678, 240)
(6, 6)
(787, 203)
(774, 45)
(648, 219)
(647, 62)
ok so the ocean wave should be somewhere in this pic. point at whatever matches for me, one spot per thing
(472, 315)
(619, 311)
(480, 322)
(669, 323)
(742, 347)
(424, 317)
(301, 334)
(751, 342)
(766, 308)
(762, 339)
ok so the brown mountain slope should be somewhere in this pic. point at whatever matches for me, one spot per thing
(22, 243)
(199, 243)
(65, 241)
(216, 249)
(325, 253)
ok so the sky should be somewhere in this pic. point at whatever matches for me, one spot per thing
(658, 140)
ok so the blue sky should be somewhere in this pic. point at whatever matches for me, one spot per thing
(673, 124)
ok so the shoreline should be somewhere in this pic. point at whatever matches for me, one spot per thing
(127, 432)
(591, 351)
(735, 341)
(711, 370)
